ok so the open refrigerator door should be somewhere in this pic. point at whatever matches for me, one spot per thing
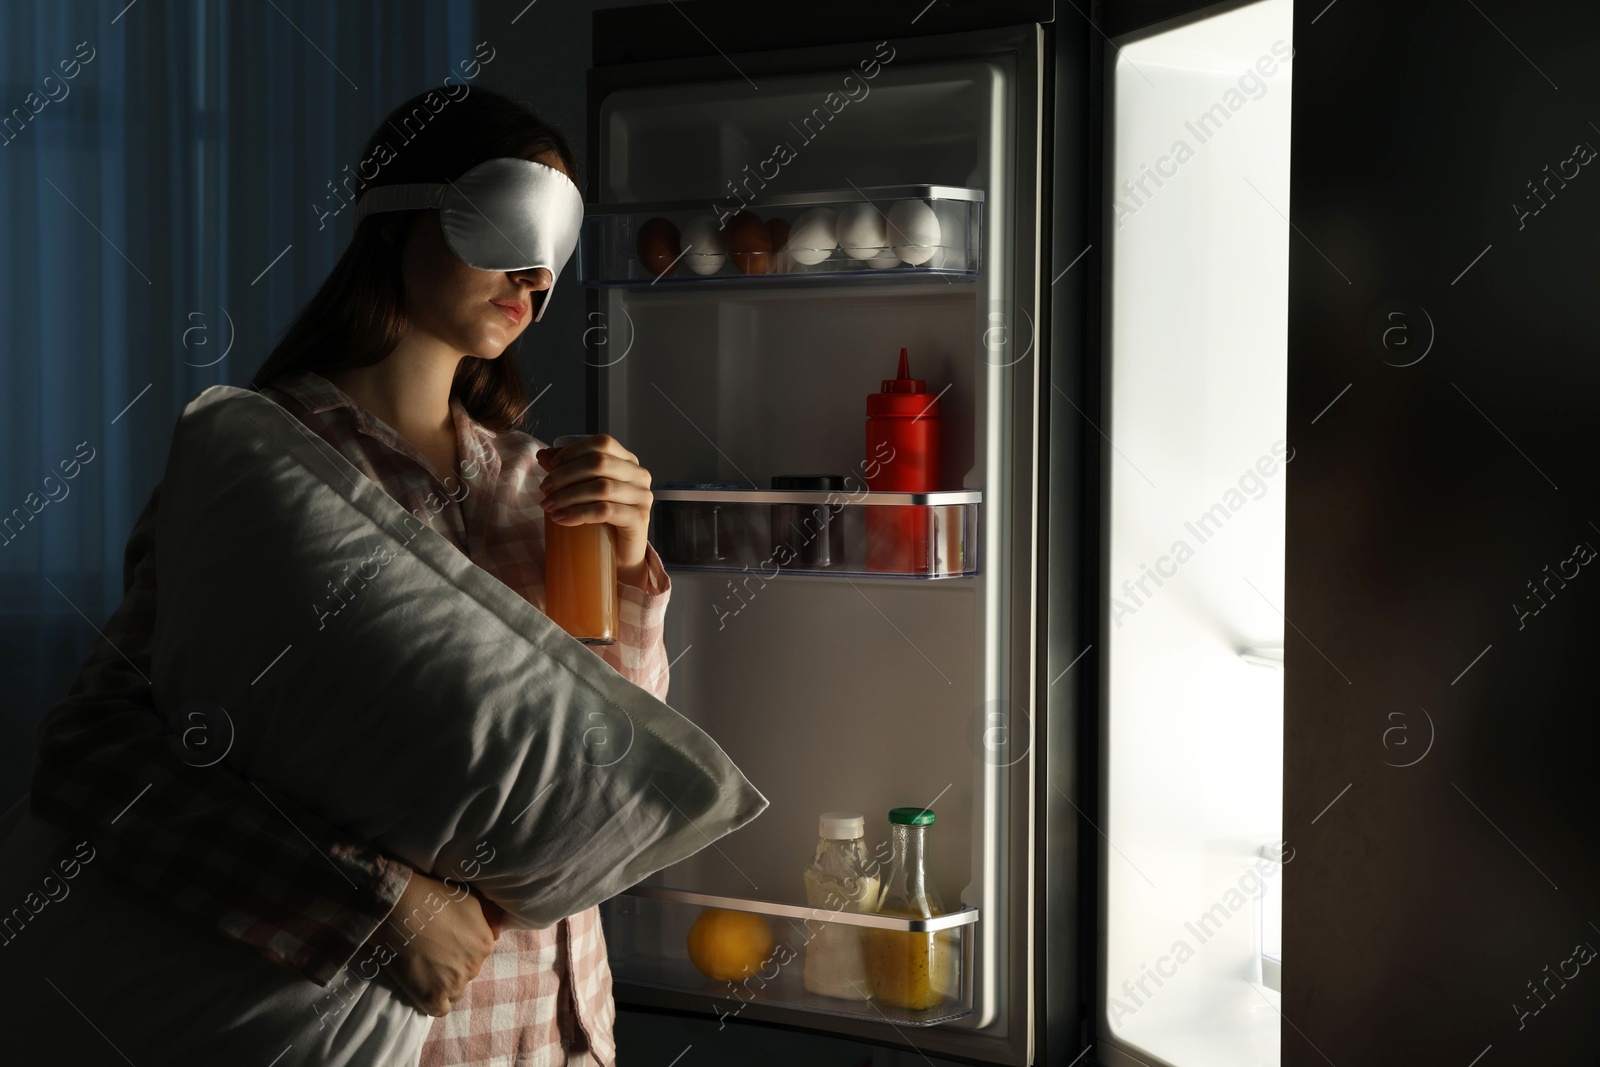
(765, 236)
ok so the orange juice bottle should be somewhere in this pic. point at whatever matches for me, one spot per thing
(580, 575)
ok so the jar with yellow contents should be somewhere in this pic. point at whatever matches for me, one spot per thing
(910, 969)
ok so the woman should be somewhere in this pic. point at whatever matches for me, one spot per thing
(403, 361)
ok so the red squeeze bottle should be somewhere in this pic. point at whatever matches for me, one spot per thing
(902, 457)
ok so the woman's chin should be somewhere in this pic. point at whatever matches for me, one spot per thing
(489, 347)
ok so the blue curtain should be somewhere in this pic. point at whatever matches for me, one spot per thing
(167, 203)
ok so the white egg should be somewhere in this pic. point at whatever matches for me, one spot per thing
(953, 253)
(885, 261)
(914, 229)
(703, 249)
(861, 231)
(814, 236)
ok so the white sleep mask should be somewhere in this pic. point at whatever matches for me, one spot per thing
(504, 214)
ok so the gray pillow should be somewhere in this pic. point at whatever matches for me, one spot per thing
(438, 709)
(438, 715)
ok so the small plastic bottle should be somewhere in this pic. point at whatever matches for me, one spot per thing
(580, 575)
(838, 880)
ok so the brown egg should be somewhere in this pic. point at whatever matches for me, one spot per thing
(748, 242)
(658, 245)
(778, 230)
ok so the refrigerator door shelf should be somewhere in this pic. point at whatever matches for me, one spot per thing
(819, 496)
(864, 534)
(816, 198)
(647, 930)
(901, 231)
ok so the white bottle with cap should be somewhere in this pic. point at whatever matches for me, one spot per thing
(839, 878)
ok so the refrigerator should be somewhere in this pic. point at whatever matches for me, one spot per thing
(1309, 788)
(903, 655)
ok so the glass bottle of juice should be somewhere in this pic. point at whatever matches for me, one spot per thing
(839, 879)
(580, 575)
(908, 969)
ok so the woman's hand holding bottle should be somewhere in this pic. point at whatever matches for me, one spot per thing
(597, 480)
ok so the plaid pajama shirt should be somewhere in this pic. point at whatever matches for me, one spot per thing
(232, 854)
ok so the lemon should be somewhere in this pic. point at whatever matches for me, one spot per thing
(729, 945)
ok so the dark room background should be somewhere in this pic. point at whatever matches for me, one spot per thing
(169, 210)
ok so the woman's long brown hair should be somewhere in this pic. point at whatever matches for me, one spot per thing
(357, 316)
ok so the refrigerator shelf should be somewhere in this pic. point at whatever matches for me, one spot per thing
(647, 929)
(895, 231)
(818, 496)
(820, 532)
(966, 915)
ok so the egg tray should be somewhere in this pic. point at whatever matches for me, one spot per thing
(882, 231)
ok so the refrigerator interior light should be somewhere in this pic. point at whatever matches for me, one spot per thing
(1196, 389)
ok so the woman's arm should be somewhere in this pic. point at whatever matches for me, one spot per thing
(177, 824)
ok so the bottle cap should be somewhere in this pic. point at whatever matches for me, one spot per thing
(911, 816)
(841, 825)
(902, 382)
(903, 395)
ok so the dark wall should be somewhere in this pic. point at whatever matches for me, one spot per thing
(1426, 898)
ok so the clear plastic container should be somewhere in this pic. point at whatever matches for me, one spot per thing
(929, 535)
(839, 878)
(580, 575)
(647, 928)
(900, 231)
(911, 970)
(703, 532)
(808, 528)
